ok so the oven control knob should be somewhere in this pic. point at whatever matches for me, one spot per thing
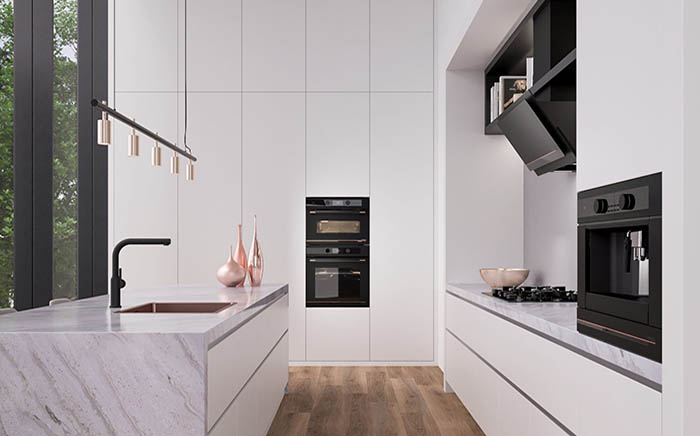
(600, 205)
(328, 250)
(347, 202)
(626, 201)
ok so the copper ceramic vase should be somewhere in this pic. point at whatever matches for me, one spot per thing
(239, 256)
(255, 261)
(231, 273)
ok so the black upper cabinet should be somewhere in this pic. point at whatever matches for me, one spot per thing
(548, 34)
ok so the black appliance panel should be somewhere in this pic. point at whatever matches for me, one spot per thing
(619, 264)
(337, 220)
(337, 276)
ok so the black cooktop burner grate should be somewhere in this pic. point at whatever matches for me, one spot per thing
(536, 294)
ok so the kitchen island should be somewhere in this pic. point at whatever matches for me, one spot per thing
(79, 368)
(528, 358)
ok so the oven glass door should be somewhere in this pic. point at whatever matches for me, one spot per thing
(337, 282)
(337, 226)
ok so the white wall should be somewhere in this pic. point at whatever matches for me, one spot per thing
(484, 187)
(550, 228)
(691, 216)
(640, 43)
(283, 98)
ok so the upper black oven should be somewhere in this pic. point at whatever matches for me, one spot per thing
(337, 220)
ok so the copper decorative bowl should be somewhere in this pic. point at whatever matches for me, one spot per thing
(504, 277)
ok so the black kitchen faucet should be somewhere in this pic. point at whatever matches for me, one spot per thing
(117, 283)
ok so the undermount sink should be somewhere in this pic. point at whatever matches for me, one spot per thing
(191, 307)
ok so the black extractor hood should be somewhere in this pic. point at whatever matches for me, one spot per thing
(542, 131)
(541, 124)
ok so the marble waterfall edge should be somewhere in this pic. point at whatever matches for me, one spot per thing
(80, 369)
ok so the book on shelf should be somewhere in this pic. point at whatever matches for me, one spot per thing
(508, 87)
(530, 71)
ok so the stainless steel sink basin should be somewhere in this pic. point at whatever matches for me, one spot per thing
(189, 307)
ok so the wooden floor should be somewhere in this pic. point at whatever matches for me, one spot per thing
(402, 401)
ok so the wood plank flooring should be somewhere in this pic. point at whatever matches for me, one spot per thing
(371, 400)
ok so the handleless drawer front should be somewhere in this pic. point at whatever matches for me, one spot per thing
(255, 407)
(234, 360)
(584, 396)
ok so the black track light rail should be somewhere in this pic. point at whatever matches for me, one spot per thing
(114, 113)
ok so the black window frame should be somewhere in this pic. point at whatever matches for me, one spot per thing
(33, 151)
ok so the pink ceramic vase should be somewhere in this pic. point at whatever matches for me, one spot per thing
(239, 256)
(255, 259)
(231, 273)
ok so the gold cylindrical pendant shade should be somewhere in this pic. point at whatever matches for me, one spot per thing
(156, 154)
(133, 149)
(175, 164)
(189, 174)
(104, 129)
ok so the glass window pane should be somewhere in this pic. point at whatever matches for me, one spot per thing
(7, 102)
(65, 149)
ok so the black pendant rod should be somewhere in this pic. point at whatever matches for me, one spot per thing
(140, 128)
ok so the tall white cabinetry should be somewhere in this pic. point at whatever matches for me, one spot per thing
(287, 99)
(401, 222)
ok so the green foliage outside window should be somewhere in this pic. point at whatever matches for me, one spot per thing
(65, 150)
(7, 101)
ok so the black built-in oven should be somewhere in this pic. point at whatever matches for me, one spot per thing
(337, 276)
(337, 220)
(337, 252)
(619, 261)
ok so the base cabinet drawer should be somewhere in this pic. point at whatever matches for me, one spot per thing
(228, 369)
(497, 407)
(253, 410)
(584, 396)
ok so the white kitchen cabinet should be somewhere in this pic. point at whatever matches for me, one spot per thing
(244, 390)
(273, 189)
(210, 206)
(145, 52)
(337, 45)
(273, 45)
(337, 334)
(144, 197)
(401, 45)
(253, 411)
(401, 222)
(597, 400)
(213, 45)
(337, 144)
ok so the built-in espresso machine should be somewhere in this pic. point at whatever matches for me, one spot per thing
(619, 265)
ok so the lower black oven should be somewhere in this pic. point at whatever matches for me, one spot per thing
(337, 276)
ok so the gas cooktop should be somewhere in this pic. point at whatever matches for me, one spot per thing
(535, 294)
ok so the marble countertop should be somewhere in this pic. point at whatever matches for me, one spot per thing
(557, 322)
(92, 315)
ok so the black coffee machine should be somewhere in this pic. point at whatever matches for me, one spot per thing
(619, 265)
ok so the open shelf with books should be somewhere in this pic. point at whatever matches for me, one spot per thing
(537, 61)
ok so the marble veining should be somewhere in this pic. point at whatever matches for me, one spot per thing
(558, 322)
(80, 369)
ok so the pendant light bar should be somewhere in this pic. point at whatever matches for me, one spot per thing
(134, 125)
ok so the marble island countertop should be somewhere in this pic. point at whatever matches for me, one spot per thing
(81, 369)
(92, 315)
(557, 322)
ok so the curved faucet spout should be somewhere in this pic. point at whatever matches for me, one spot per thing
(117, 283)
